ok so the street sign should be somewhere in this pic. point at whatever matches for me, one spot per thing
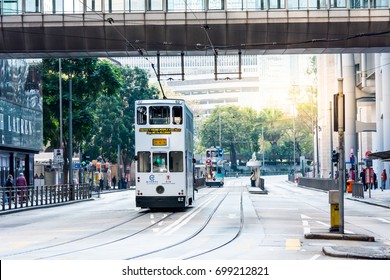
(77, 166)
(58, 156)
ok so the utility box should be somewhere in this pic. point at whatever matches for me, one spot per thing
(334, 201)
(334, 197)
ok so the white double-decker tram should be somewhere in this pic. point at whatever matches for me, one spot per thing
(164, 152)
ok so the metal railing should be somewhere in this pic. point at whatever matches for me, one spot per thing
(17, 197)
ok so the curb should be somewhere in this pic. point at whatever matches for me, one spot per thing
(256, 190)
(371, 253)
(340, 236)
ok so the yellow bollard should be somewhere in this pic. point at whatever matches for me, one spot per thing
(334, 210)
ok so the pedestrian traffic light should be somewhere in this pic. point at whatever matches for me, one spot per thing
(335, 157)
(83, 160)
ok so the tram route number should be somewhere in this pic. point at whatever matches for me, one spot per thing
(241, 270)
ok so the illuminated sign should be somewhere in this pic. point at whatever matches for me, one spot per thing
(159, 142)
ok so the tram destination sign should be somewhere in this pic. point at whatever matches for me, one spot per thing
(159, 130)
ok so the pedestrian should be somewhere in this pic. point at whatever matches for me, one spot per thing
(9, 185)
(384, 179)
(113, 181)
(363, 178)
(101, 184)
(21, 184)
(253, 179)
(375, 181)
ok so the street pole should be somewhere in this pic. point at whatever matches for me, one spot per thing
(331, 139)
(70, 139)
(294, 144)
(341, 125)
(60, 170)
(262, 143)
(317, 151)
(119, 165)
(220, 135)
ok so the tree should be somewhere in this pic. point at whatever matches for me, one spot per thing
(275, 125)
(115, 116)
(91, 78)
(233, 128)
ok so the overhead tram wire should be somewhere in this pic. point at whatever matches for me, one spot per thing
(128, 43)
(205, 27)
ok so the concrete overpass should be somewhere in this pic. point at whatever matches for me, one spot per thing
(279, 31)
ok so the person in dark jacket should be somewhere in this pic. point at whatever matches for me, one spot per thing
(9, 185)
(114, 181)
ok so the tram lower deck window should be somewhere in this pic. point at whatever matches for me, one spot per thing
(160, 162)
(144, 162)
(176, 161)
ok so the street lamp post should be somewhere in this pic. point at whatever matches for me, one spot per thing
(220, 130)
(294, 144)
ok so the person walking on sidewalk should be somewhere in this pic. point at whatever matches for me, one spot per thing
(384, 179)
(21, 184)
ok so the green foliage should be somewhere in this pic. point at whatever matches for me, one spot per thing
(234, 127)
(103, 98)
(115, 116)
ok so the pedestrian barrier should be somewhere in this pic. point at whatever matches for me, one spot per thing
(357, 190)
(21, 197)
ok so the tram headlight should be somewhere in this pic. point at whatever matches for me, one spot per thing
(160, 189)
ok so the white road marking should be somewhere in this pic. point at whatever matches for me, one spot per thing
(383, 220)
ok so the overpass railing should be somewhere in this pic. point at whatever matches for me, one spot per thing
(12, 7)
(17, 197)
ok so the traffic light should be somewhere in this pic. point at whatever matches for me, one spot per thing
(84, 160)
(335, 157)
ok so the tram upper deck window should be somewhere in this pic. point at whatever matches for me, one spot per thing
(177, 113)
(143, 162)
(159, 115)
(176, 161)
(141, 115)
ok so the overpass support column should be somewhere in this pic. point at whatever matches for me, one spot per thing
(378, 143)
(385, 104)
(348, 63)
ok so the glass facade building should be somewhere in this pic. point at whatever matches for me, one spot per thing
(21, 132)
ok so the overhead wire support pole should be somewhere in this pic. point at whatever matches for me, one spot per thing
(182, 66)
(331, 140)
(215, 66)
(341, 127)
(239, 65)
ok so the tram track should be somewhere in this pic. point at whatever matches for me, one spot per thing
(138, 215)
(97, 233)
(238, 233)
(170, 214)
(198, 231)
(90, 236)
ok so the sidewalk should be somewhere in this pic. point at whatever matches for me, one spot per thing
(376, 197)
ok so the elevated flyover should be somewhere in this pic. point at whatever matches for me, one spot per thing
(99, 34)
